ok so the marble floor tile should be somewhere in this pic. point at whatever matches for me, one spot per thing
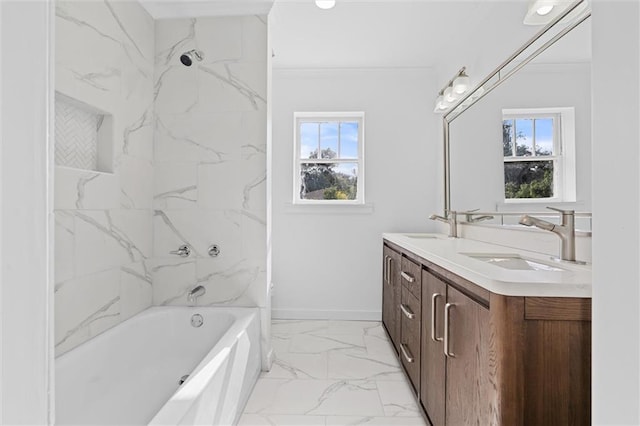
(315, 397)
(332, 373)
(313, 343)
(280, 420)
(298, 366)
(397, 399)
(291, 327)
(359, 365)
(374, 421)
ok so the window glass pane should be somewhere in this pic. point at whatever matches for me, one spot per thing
(528, 179)
(544, 136)
(329, 139)
(524, 137)
(308, 140)
(348, 140)
(328, 181)
(507, 137)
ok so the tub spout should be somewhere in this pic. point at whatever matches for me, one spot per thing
(196, 292)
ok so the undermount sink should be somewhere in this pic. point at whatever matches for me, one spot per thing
(429, 236)
(513, 261)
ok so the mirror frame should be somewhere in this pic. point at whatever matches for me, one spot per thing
(518, 59)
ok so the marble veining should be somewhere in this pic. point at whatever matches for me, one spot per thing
(309, 389)
(104, 231)
(101, 313)
(229, 79)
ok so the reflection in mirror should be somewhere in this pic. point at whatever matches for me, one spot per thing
(527, 144)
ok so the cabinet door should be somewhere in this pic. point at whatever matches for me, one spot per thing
(396, 285)
(410, 345)
(433, 368)
(467, 360)
(391, 294)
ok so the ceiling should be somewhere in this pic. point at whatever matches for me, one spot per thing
(374, 33)
(171, 9)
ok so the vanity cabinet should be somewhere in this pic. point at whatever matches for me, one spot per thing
(455, 351)
(391, 294)
(483, 358)
(410, 308)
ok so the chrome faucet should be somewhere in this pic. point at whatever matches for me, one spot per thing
(451, 219)
(196, 292)
(566, 231)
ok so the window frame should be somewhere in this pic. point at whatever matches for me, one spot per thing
(318, 117)
(564, 158)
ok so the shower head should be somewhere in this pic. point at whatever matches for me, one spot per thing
(188, 57)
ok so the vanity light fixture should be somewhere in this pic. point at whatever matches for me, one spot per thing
(325, 4)
(452, 91)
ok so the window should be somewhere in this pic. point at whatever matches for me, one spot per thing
(329, 152)
(539, 154)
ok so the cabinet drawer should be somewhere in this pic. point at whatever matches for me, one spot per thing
(410, 347)
(411, 277)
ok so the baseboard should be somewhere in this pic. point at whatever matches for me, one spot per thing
(307, 314)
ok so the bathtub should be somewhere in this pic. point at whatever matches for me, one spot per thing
(131, 374)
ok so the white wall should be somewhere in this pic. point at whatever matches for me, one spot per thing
(103, 235)
(27, 219)
(327, 263)
(616, 208)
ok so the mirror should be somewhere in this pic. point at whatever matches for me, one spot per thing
(524, 142)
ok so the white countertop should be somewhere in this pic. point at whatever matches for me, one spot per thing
(572, 281)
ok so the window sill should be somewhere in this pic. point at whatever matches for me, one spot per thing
(291, 208)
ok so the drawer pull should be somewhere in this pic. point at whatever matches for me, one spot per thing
(407, 311)
(406, 353)
(407, 277)
(434, 298)
(447, 308)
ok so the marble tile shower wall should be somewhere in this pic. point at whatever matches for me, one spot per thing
(210, 160)
(104, 231)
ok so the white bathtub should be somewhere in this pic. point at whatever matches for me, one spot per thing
(130, 374)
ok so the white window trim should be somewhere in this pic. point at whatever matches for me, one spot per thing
(565, 141)
(299, 117)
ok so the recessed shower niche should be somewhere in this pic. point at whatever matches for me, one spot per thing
(83, 135)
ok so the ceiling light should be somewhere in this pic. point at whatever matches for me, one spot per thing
(452, 91)
(325, 4)
(541, 12)
(461, 83)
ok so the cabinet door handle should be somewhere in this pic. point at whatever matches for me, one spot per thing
(447, 308)
(406, 353)
(434, 298)
(385, 272)
(407, 311)
(407, 277)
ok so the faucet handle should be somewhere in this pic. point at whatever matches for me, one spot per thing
(561, 210)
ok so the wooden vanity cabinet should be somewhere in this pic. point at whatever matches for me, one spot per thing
(434, 366)
(410, 308)
(455, 354)
(391, 294)
(508, 360)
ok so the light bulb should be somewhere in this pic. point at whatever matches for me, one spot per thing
(325, 4)
(441, 105)
(544, 10)
(461, 84)
(450, 95)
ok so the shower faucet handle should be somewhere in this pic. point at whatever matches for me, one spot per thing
(183, 251)
(214, 250)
